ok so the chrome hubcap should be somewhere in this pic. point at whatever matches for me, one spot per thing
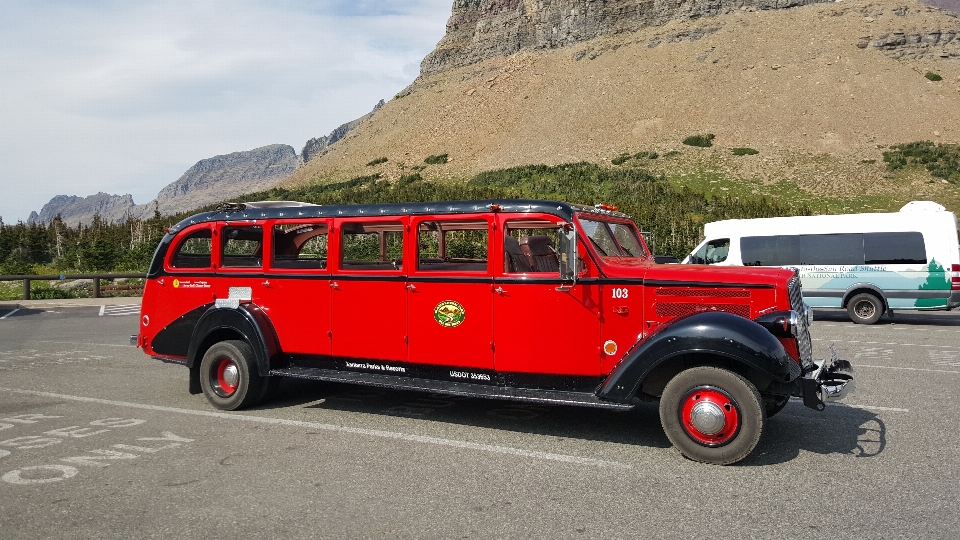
(230, 375)
(708, 418)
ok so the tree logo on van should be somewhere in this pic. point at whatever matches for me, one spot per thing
(449, 314)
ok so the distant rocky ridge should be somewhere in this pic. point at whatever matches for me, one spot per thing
(209, 181)
(74, 210)
(481, 29)
(316, 147)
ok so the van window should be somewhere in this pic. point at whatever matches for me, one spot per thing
(452, 245)
(242, 247)
(894, 248)
(849, 249)
(300, 246)
(194, 251)
(713, 252)
(371, 246)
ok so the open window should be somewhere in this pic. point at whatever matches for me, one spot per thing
(712, 252)
(531, 246)
(194, 250)
(371, 245)
(457, 246)
(302, 245)
(242, 247)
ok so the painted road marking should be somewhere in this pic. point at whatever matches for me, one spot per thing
(906, 368)
(9, 314)
(424, 439)
(886, 343)
(118, 311)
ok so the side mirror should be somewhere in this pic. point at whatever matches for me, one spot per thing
(569, 260)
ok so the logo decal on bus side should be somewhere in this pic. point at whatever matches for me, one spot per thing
(449, 314)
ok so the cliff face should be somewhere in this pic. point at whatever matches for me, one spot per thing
(222, 177)
(482, 29)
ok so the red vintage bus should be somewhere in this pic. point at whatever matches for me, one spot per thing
(525, 300)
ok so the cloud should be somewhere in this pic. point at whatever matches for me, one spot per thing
(124, 97)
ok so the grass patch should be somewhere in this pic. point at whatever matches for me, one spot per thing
(745, 151)
(933, 76)
(941, 160)
(377, 161)
(436, 160)
(702, 141)
(626, 156)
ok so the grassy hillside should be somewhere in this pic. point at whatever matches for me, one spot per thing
(802, 87)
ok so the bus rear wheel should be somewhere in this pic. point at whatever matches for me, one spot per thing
(229, 377)
(865, 308)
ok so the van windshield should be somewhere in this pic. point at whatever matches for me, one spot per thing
(613, 239)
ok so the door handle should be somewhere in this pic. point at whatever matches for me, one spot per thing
(266, 283)
(411, 287)
(500, 290)
(334, 285)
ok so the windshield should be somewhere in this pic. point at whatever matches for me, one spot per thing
(613, 239)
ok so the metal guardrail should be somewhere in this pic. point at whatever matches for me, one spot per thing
(95, 277)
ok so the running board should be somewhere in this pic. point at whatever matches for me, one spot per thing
(555, 397)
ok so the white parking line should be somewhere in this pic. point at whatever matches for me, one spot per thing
(906, 368)
(102, 309)
(545, 456)
(9, 314)
(857, 342)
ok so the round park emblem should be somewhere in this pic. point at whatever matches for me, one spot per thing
(176, 284)
(449, 314)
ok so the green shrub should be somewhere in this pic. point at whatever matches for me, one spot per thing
(745, 151)
(646, 155)
(621, 159)
(50, 293)
(942, 160)
(436, 160)
(672, 153)
(377, 161)
(933, 76)
(703, 141)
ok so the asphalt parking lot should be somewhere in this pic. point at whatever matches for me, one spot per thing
(98, 440)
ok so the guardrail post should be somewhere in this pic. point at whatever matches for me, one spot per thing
(96, 287)
(26, 289)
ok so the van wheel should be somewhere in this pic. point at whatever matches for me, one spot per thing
(865, 308)
(712, 415)
(229, 377)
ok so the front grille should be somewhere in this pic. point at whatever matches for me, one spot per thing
(679, 309)
(804, 344)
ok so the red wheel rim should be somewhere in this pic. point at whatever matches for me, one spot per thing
(710, 416)
(226, 377)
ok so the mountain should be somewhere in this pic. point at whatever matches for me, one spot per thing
(74, 210)
(820, 90)
(315, 147)
(222, 177)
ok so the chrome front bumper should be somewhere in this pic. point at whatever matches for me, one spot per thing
(831, 381)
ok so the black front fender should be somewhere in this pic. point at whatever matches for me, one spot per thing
(718, 334)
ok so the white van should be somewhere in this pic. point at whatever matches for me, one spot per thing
(867, 263)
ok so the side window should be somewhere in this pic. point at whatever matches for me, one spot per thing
(894, 248)
(300, 246)
(717, 250)
(531, 246)
(452, 246)
(371, 246)
(242, 247)
(194, 251)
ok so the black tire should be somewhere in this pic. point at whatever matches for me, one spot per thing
(775, 404)
(865, 308)
(229, 377)
(714, 391)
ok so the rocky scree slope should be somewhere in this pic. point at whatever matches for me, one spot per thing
(820, 90)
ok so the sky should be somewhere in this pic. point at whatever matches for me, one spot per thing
(124, 97)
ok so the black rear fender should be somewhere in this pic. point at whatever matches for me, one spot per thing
(247, 323)
(711, 338)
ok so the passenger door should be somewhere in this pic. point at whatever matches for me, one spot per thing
(449, 305)
(539, 326)
(296, 291)
(368, 290)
